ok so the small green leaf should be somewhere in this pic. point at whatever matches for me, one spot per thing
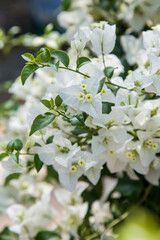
(50, 139)
(52, 102)
(54, 66)
(10, 146)
(12, 176)
(46, 103)
(82, 61)
(3, 155)
(61, 108)
(43, 55)
(28, 57)
(66, 4)
(101, 84)
(48, 28)
(18, 145)
(46, 235)
(14, 157)
(27, 71)
(38, 163)
(108, 71)
(61, 56)
(58, 101)
(41, 121)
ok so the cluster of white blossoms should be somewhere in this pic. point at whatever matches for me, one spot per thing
(125, 136)
(76, 120)
(134, 13)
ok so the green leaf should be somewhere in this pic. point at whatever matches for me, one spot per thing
(11, 176)
(129, 188)
(50, 139)
(8, 106)
(15, 157)
(41, 121)
(7, 235)
(108, 71)
(46, 235)
(38, 163)
(54, 66)
(101, 84)
(61, 56)
(10, 146)
(28, 57)
(27, 71)
(18, 145)
(66, 4)
(58, 101)
(82, 61)
(46, 103)
(43, 55)
(3, 155)
(48, 28)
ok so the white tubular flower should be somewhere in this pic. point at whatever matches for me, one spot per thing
(84, 97)
(103, 38)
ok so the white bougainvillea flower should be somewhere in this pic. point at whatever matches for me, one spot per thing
(148, 147)
(151, 41)
(80, 40)
(137, 81)
(84, 97)
(100, 213)
(103, 38)
(153, 174)
(131, 46)
(66, 198)
(11, 166)
(60, 151)
(78, 165)
(28, 222)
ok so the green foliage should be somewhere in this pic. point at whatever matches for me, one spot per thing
(58, 101)
(43, 56)
(8, 106)
(27, 71)
(3, 155)
(47, 235)
(37, 162)
(61, 56)
(14, 145)
(11, 177)
(82, 61)
(28, 57)
(46, 103)
(101, 84)
(7, 235)
(18, 145)
(108, 71)
(41, 121)
(66, 4)
(129, 188)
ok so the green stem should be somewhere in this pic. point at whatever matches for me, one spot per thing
(76, 71)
